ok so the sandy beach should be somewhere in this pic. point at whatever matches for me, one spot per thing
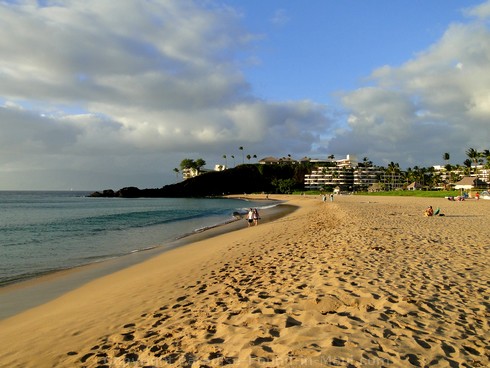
(357, 282)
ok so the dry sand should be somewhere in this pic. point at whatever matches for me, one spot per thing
(360, 282)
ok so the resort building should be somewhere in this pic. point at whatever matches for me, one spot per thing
(483, 174)
(459, 172)
(276, 161)
(346, 174)
(190, 172)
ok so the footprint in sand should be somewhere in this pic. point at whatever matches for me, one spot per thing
(338, 342)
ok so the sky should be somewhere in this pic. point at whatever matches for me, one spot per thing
(100, 94)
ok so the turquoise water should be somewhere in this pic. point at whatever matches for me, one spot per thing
(42, 232)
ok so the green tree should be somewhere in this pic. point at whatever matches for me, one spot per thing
(199, 163)
(410, 175)
(449, 177)
(431, 177)
(366, 163)
(187, 163)
(454, 177)
(284, 186)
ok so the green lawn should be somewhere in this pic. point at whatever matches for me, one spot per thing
(401, 193)
(415, 193)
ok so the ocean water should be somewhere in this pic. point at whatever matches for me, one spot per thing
(43, 232)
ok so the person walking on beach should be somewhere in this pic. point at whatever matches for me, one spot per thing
(256, 217)
(250, 217)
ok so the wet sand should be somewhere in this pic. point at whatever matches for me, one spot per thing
(360, 282)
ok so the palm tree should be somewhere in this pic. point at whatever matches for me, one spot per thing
(453, 177)
(415, 174)
(473, 155)
(226, 163)
(176, 173)
(243, 158)
(467, 164)
(456, 173)
(366, 162)
(234, 163)
(255, 157)
(446, 156)
(410, 176)
(249, 157)
(447, 174)
(431, 177)
(394, 171)
(486, 155)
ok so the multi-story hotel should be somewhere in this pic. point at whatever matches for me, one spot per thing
(346, 174)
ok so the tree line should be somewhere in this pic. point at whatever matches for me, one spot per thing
(197, 164)
(427, 176)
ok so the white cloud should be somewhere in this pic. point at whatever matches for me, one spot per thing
(132, 79)
(481, 11)
(437, 102)
(99, 93)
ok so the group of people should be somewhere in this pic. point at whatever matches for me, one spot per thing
(324, 197)
(253, 217)
(458, 198)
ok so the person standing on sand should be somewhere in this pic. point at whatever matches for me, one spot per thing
(256, 217)
(250, 217)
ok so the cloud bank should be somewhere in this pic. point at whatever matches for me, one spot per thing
(99, 94)
(435, 103)
(108, 87)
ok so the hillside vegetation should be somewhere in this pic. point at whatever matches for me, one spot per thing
(246, 178)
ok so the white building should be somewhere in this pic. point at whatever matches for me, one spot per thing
(344, 173)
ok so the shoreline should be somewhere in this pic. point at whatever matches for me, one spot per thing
(362, 281)
(20, 296)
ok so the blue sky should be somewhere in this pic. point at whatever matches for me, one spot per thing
(103, 94)
(308, 52)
